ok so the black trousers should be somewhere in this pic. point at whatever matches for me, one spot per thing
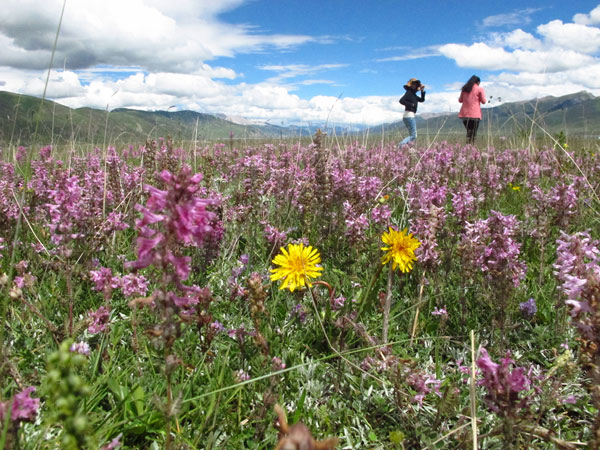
(471, 125)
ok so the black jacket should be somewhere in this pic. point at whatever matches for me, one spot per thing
(410, 99)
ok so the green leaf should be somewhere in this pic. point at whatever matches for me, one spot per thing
(138, 397)
(121, 392)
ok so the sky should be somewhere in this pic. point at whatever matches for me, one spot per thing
(296, 61)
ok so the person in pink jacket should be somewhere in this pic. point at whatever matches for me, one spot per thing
(471, 96)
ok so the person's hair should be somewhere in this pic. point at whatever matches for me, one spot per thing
(468, 87)
(413, 83)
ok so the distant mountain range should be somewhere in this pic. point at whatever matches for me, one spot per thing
(25, 118)
(574, 114)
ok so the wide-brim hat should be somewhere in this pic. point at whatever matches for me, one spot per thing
(413, 80)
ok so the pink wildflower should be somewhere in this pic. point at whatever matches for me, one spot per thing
(99, 320)
(80, 347)
(24, 408)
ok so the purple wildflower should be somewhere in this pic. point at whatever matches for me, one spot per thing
(133, 284)
(173, 219)
(300, 312)
(99, 320)
(338, 303)
(115, 443)
(217, 326)
(503, 384)
(103, 279)
(528, 308)
(439, 312)
(80, 347)
(24, 408)
(241, 375)
(381, 215)
(489, 247)
(578, 268)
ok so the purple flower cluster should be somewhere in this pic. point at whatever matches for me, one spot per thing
(441, 312)
(241, 375)
(338, 303)
(104, 280)
(10, 184)
(274, 236)
(172, 220)
(300, 312)
(528, 308)
(428, 216)
(80, 347)
(131, 284)
(423, 384)
(555, 208)
(356, 223)
(23, 408)
(489, 246)
(99, 319)
(577, 267)
(465, 202)
(503, 384)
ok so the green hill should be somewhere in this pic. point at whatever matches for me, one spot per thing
(25, 118)
(59, 124)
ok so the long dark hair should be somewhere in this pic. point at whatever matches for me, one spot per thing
(468, 87)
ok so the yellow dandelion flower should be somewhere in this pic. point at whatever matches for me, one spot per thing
(298, 264)
(516, 188)
(400, 249)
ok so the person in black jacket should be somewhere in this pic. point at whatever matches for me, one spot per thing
(410, 100)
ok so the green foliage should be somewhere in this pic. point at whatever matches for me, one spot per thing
(66, 392)
(327, 383)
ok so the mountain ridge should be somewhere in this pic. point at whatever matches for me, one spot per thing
(25, 118)
(572, 114)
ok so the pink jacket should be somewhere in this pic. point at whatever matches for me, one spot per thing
(470, 102)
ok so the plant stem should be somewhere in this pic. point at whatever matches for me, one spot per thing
(387, 306)
(169, 401)
(472, 393)
(415, 322)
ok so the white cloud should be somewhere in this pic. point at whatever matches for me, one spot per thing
(154, 34)
(517, 39)
(593, 18)
(572, 36)
(153, 54)
(561, 59)
(484, 57)
(514, 18)
(414, 53)
(291, 71)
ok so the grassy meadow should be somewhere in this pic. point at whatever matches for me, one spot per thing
(167, 295)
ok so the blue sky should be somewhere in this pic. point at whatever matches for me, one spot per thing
(296, 61)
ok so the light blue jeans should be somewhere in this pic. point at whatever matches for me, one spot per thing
(411, 125)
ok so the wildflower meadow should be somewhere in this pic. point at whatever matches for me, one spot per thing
(162, 296)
